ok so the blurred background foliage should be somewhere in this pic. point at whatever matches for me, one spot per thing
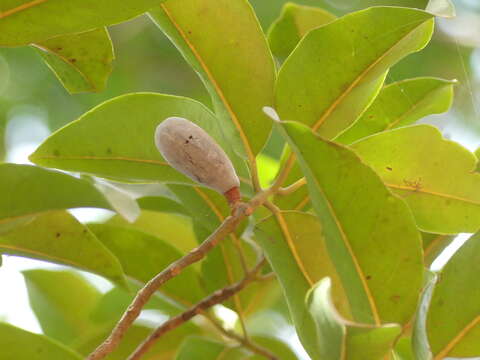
(33, 102)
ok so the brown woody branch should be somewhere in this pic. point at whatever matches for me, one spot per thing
(214, 299)
(133, 311)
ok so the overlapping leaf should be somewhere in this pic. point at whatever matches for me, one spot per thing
(62, 302)
(29, 190)
(224, 43)
(370, 233)
(82, 62)
(433, 245)
(23, 345)
(116, 139)
(445, 326)
(401, 103)
(143, 256)
(340, 339)
(435, 176)
(293, 24)
(58, 237)
(31, 21)
(210, 350)
(337, 70)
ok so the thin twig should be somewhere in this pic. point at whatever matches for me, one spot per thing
(214, 299)
(292, 188)
(133, 311)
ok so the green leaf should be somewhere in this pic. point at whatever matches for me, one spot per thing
(210, 350)
(452, 324)
(370, 233)
(295, 247)
(174, 229)
(59, 238)
(82, 62)
(225, 45)
(341, 339)
(275, 345)
(327, 94)
(29, 190)
(19, 344)
(62, 302)
(143, 256)
(294, 23)
(433, 245)
(31, 21)
(87, 145)
(403, 349)
(401, 103)
(435, 177)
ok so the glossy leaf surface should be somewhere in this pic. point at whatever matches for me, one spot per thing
(294, 23)
(401, 103)
(44, 19)
(337, 70)
(58, 237)
(216, 37)
(87, 144)
(82, 62)
(369, 232)
(435, 177)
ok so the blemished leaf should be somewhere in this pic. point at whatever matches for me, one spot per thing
(295, 247)
(143, 256)
(450, 312)
(433, 245)
(337, 70)
(341, 339)
(25, 21)
(401, 103)
(294, 23)
(210, 350)
(87, 145)
(19, 344)
(59, 238)
(224, 43)
(82, 62)
(62, 302)
(370, 233)
(435, 177)
(443, 8)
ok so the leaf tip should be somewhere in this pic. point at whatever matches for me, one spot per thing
(271, 113)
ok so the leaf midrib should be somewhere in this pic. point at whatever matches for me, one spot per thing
(359, 78)
(22, 7)
(215, 84)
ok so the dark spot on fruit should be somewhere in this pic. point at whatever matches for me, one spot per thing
(186, 141)
(389, 168)
(190, 137)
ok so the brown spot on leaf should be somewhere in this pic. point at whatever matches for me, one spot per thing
(56, 153)
(389, 168)
(369, 277)
(57, 235)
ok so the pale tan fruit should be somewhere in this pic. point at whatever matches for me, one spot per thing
(190, 150)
